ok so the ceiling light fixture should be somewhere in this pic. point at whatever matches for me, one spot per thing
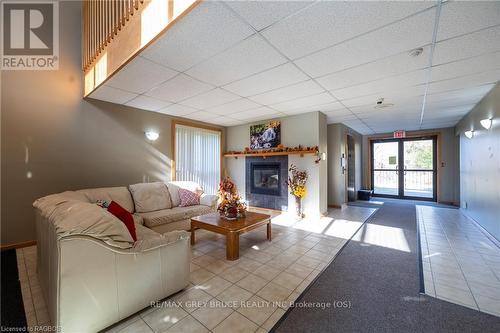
(486, 123)
(469, 134)
(416, 52)
(152, 136)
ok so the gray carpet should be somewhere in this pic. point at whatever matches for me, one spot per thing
(382, 286)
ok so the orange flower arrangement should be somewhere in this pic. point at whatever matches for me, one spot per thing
(231, 204)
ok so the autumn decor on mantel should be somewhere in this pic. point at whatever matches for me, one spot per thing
(297, 185)
(279, 150)
(231, 205)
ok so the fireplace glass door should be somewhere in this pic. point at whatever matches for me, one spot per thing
(265, 178)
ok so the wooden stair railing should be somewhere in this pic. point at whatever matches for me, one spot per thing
(102, 21)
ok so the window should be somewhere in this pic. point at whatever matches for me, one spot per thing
(198, 156)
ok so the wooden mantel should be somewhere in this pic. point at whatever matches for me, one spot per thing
(274, 153)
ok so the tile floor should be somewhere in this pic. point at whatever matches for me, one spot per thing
(460, 263)
(246, 295)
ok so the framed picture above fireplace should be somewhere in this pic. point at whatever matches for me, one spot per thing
(265, 136)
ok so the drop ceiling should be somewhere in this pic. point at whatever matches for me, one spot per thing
(230, 63)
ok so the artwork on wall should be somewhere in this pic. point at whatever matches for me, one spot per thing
(265, 136)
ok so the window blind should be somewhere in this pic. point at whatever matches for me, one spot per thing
(198, 156)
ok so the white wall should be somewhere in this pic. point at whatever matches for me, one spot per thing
(304, 129)
(480, 164)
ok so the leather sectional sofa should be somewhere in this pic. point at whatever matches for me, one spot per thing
(92, 273)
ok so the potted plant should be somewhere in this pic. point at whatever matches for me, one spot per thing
(297, 185)
(231, 206)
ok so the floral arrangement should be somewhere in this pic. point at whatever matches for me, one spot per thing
(297, 182)
(231, 204)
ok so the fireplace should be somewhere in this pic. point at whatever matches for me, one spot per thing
(265, 178)
(265, 182)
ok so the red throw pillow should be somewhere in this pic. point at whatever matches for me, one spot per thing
(124, 216)
(188, 198)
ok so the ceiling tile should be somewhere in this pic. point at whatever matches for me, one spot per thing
(210, 99)
(241, 104)
(177, 110)
(252, 114)
(394, 96)
(399, 37)
(393, 65)
(467, 46)
(459, 97)
(150, 75)
(224, 121)
(249, 57)
(179, 88)
(462, 17)
(207, 30)
(330, 22)
(304, 102)
(478, 79)
(339, 118)
(283, 75)
(261, 14)
(113, 95)
(387, 84)
(287, 93)
(200, 116)
(147, 103)
(468, 66)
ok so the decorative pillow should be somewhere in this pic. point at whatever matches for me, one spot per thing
(174, 187)
(149, 197)
(124, 216)
(188, 198)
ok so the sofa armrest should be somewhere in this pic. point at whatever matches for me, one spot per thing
(209, 199)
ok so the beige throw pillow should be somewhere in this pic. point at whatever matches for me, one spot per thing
(149, 197)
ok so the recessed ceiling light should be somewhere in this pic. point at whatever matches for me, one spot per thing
(416, 52)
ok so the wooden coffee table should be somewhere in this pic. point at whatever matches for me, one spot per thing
(231, 229)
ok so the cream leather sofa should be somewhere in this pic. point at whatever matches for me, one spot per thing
(92, 273)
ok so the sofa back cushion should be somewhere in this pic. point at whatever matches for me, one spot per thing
(149, 197)
(120, 195)
(76, 218)
(174, 186)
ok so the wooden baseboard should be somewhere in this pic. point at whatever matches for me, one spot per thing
(17, 245)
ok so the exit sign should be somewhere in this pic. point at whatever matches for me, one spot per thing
(399, 134)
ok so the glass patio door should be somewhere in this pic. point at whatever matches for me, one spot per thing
(404, 168)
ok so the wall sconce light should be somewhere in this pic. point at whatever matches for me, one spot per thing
(469, 134)
(151, 135)
(323, 156)
(486, 123)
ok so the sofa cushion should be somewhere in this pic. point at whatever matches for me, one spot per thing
(149, 197)
(174, 186)
(165, 216)
(73, 217)
(119, 194)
